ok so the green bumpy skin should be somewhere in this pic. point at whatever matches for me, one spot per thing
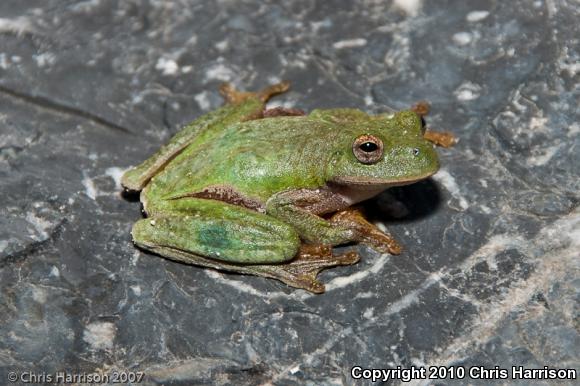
(219, 231)
(235, 188)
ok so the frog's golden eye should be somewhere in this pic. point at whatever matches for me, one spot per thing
(368, 149)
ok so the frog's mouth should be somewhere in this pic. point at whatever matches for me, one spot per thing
(380, 182)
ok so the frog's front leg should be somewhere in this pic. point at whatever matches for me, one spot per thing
(369, 233)
(227, 237)
(300, 208)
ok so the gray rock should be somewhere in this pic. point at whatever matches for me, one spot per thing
(490, 272)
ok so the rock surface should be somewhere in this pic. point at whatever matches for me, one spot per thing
(490, 272)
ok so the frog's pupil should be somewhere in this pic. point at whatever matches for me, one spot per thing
(368, 147)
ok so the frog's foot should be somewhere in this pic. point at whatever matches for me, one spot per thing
(422, 108)
(301, 272)
(233, 96)
(367, 232)
(440, 138)
(282, 112)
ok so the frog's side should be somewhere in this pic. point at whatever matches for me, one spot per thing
(238, 191)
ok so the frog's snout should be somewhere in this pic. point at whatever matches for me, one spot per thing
(416, 160)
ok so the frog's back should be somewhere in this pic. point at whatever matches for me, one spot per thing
(255, 158)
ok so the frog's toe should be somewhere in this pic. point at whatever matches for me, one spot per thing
(302, 271)
(280, 111)
(384, 244)
(316, 287)
(440, 138)
(348, 258)
(422, 108)
(233, 96)
(298, 278)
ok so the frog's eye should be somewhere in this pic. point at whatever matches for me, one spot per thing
(368, 149)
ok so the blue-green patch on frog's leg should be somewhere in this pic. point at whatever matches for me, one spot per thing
(242, 106)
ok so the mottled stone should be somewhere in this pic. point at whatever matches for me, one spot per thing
(490, 271)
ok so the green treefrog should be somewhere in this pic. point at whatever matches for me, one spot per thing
(269, 192)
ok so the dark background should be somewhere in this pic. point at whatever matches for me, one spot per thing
(489, 275)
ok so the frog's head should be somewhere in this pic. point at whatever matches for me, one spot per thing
(385, 152)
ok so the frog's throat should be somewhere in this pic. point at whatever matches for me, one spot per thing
(384, 183)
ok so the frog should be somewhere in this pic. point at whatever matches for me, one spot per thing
(270, 191)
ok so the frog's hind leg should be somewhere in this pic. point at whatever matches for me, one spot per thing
(247, 106)
(300, 272)
(216, 230)
(227, 237)
(233, 96)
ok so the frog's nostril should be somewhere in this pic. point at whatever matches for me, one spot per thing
(416, 151)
